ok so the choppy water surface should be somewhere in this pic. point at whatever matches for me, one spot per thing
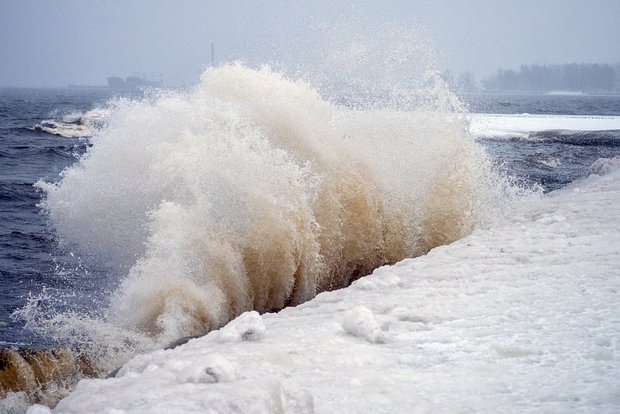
(28, 257)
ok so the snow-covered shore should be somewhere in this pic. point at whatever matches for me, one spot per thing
(523, 317)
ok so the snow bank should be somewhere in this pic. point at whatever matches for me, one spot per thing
(523, 318)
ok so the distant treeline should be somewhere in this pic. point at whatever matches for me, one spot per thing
(585, 77)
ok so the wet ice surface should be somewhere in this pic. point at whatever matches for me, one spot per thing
(522, 125)
(523, 317)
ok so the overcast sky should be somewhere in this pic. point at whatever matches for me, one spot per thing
(61, 42)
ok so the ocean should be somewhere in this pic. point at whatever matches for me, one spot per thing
(30, 259)
(167, 214)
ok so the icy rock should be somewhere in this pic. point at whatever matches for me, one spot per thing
(151, 368)
(361, 322)
(604, 166)
(38, 409)
(249, 326)
(296, 400)
(214, 368)
(382, 277)
(387, 280)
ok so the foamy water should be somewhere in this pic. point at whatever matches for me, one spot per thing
(251, 191)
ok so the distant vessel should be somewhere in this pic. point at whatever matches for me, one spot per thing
(131, 83)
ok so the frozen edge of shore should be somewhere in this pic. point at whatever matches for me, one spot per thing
(522, 317)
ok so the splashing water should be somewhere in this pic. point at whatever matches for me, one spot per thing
(251, 191)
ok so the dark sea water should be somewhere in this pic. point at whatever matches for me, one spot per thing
(551, 158)
(29, 257)
(31, 260)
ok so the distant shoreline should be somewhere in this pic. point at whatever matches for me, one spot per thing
(105, 88)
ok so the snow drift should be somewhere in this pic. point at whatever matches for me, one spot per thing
(520, 317)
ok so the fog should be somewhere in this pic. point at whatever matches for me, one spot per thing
(62, 42)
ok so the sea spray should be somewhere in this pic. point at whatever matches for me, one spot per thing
(251, 191)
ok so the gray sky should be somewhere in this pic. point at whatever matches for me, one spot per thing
(60, 42)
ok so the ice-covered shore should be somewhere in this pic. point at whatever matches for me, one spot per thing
(523, 317)
(521, 125)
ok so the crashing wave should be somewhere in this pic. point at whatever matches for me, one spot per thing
(253, 192)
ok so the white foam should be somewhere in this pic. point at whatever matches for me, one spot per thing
(76, 124)
(62, 129)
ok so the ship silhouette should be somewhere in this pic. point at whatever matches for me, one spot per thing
(132, 83)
